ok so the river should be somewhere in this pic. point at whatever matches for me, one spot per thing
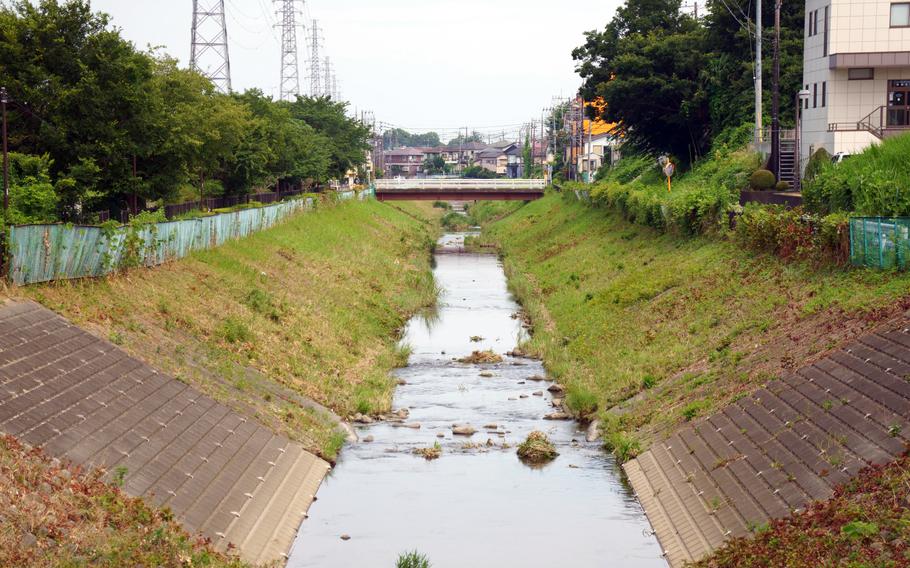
(476, 506)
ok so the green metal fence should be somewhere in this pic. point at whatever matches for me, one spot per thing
(41, 253)
(880, 242)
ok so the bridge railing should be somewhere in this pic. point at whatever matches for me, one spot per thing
(461, 183)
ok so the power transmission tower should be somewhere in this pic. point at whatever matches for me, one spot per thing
(327, 85)
(290, 71)
(209, 48)
(314, 61)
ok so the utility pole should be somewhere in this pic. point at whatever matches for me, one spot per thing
(209, 44)
(4, 100)
(775, 96)
(314, 62)
(758, 77)
(290, 70)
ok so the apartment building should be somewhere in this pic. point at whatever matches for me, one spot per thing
(856, 67)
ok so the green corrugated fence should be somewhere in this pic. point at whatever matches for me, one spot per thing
(41, 253)
(880, 242)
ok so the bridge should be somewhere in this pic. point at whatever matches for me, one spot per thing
(459, 189)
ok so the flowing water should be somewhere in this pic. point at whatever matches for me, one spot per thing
(474, 507)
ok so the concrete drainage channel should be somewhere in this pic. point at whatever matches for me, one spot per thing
(476, 504)
(84, 400)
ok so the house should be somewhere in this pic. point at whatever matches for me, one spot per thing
(492, 159)
(856, 67)
(403, 162)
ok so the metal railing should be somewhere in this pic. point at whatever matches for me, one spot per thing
(461, 183)
(879, 122)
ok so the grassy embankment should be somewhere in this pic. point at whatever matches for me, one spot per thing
(653, 329)
(54, 516)
(307, 310)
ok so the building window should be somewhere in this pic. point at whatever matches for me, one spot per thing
(814, 95)
(825, 37)
(806, 102)
(900, 15)
(824, 93)
(861, 73)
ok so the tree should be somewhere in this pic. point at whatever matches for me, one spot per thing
(346, 139)
(478, 172)
(399, 138)
(435, 165)
(462, 139)
(527, 159)
(674, 82)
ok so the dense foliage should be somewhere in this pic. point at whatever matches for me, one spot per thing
(91, 108)
(698, 201)
(873, 183)
(674, 82)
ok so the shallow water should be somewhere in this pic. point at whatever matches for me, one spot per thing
(477, 507)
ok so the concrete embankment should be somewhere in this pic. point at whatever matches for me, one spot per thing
(83, 400)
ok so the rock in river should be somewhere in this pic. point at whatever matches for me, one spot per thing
(557, 416)
(557, 388)
(465, 430)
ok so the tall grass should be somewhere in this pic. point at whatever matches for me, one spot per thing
(875, 182)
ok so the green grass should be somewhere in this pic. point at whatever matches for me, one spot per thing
(669, 327)
(311, 308)
(412, 560)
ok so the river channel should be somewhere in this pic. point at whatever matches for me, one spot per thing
(476, 506)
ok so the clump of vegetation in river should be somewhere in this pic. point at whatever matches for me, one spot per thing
(309, 309)
(412, 560)
(667, 327)
(537, 449)
(430, 453)
(57, 516)
(482, 357)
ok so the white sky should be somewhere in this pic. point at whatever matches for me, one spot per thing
(419, 64)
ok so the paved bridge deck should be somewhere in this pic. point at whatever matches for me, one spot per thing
(776, 451)
(82, 399)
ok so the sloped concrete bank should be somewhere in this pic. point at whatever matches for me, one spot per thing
(83, 400)
(772, 453)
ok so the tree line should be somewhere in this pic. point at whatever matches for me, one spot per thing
(95, 123)
(674, 82)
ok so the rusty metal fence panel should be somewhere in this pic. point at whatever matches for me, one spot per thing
(880, 242)
(41, 253)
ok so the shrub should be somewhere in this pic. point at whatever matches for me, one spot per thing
(818, 161)
(792, 233)
(782, 185)
(762, 180)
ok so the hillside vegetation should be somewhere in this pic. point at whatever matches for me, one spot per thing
(54, 516)
(308, 310)
(649, 329)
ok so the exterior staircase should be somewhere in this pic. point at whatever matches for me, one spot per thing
(788, 162)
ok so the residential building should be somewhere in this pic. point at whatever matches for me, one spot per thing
(403, 162)
(597, 149)
(492, 159)
(856, 67)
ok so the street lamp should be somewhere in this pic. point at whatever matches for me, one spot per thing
(801, 97)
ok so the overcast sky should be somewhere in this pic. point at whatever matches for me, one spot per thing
(419, 64)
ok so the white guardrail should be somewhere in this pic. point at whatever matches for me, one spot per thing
(461, 183)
